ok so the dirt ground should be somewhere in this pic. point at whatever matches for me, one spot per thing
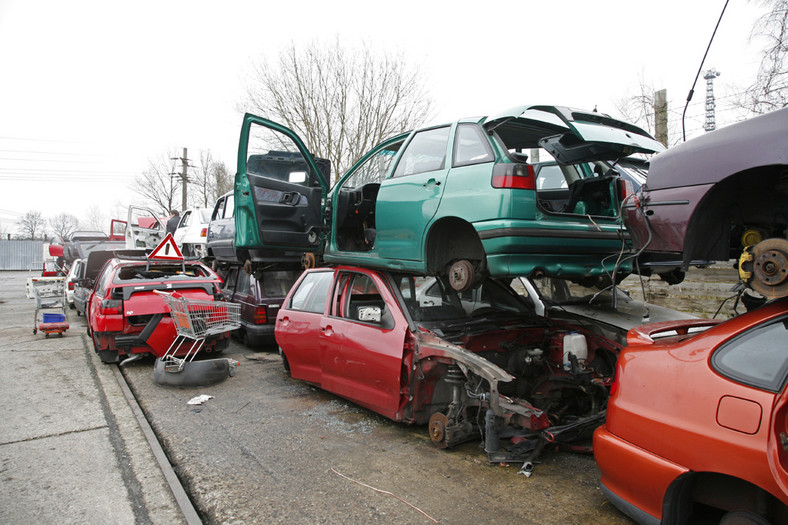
(270, 449)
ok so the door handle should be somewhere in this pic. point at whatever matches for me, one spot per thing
(327, 330)
(431, 183)
(284, 321)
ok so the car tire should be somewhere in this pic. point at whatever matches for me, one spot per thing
(106, 356)
(672, 277)
(285, 362)
(743, 517)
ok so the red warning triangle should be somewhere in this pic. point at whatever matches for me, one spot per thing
(167, 250)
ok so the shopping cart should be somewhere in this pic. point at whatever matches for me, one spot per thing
(49, 293)
(194, 321)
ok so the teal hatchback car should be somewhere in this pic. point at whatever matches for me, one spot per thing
(460, 201)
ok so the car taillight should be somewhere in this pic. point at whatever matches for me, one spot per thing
(204, 232)
(625, 189)
(111, 307)
(70, 285)
(260, 315)
(514, 176)
(614, 386)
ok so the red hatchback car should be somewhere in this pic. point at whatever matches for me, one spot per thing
(478, 364)
(697, 423)
(126, 318)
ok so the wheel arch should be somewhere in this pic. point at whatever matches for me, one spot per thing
(451, 238)
(723, 491)
(756, 197)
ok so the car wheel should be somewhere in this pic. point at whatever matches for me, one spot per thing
(461, 275)
(672, 277)
(285, 362)
(743, 517)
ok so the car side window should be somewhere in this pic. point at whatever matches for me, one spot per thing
(471, 146)
(106, 277)
(551, 177)
(244, 283)
(218, 213)
(185, 219)
(229, 281)
(375, 168)
(310, 296)
(757, 358)
(229, 207)
(362, 300)
(425, 152)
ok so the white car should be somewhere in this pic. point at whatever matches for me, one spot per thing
(74, 274)
(191, 233)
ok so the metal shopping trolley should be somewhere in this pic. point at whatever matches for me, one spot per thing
(194, 321)
(49, 293)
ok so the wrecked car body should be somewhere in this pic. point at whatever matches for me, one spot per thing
(458, 200)
(716, 197)
(474, 365)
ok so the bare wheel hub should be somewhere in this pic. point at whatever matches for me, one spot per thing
(437, 427)
(461, 275)
(770, 268)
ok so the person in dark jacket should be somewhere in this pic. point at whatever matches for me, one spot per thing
(172, 222)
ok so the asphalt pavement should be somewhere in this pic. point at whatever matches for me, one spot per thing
(71, 447)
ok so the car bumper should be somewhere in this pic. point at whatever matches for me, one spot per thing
(524, 247)
(634, 480)
(259, 334)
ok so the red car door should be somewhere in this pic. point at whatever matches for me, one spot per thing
(778, 443)
(298, 325)
(362, 342)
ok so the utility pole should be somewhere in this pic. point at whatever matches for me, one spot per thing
(711, 122)
(184, 175)
(661, 116)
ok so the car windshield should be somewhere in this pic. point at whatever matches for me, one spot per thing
(160, 272)
(205, 214)
(429, 299)
(565, 292)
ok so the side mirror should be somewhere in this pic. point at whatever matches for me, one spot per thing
(369, 314)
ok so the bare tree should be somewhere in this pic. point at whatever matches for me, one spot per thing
(209, 181)
(340, 101)
(31, 225)
(201, 192)
(770, 89)
(157, 185)
(222, 179)
(62, 224)
(95, 219)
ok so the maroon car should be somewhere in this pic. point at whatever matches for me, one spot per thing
(716, 197)
(472, 364)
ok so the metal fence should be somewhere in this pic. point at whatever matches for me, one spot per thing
(17, 255)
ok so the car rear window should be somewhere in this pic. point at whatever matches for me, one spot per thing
(170, 272)
(277, 284)
(757, 357)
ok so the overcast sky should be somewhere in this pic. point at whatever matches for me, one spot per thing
(91, 90)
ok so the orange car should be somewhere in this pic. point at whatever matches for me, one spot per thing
(697, 421)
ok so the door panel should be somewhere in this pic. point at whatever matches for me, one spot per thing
(144, 230)
(408, 200)
(362, 344)
(280, 189)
